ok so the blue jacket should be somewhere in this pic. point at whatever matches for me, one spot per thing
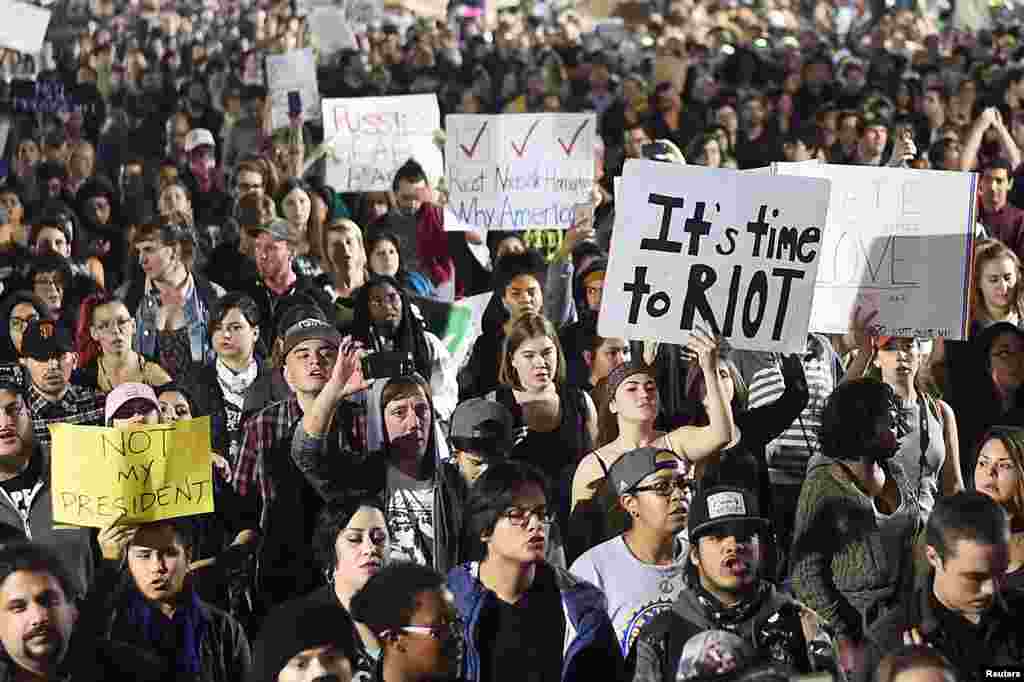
(590, 651)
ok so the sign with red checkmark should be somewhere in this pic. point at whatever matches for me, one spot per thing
(518, 171)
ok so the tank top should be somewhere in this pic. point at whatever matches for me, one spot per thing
(924, 483)
(555, 451)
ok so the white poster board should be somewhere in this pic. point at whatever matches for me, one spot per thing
(898, 241)
(729, 251)
(23, 27)
(519, 171)
(293, 71)
(372, 137)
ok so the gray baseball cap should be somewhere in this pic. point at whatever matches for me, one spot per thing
(636, 465)
(478, 419)
(277, 228)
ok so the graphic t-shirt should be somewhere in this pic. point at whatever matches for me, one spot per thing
(23, 487)
(636, 591)
(410, 507)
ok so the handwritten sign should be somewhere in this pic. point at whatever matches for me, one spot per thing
(732, 252)
(519, 171)
(145, 473)
(293, 71)
(23, 27)
(898, 241)
(373, 136)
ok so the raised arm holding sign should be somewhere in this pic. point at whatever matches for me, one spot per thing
(738, 252)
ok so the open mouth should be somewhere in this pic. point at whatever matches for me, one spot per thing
(735, 567)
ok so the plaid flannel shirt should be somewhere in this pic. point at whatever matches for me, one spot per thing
(268, 433)
(269, 429)
(78, 405)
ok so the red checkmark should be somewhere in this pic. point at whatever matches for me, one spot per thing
(576, 136)
(472, 150)
(521, 149)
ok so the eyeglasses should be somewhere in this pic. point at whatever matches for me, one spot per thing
(521, 517)
(20, 324)
(666, 486)
(392, 299)
(45, 283)
(246, 187)
(109, 326)
(452, 628)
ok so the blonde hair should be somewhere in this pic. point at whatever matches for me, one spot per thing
(528, 326)
(340, 225)
(988, 251)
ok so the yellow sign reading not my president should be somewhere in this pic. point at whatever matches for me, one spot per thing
(143, 473)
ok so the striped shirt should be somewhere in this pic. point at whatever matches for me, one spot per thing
(789, 453)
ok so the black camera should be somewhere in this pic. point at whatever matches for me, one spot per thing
(387, 365)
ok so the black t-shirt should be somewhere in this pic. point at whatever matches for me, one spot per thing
(21, 486)
(523, 642)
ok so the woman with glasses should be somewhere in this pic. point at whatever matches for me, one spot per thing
(524, 618)
(385, 321)
(410, 611)
(104, 340)
(642, 571)
(999, 473)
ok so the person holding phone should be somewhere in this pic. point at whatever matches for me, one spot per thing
(384, 321)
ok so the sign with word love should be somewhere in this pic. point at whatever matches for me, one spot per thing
(24, 26)
(140, 473)
(293, 71)
(899, 242)
(698, 247)
(519, 171)
(372, 137)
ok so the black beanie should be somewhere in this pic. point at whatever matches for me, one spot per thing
(301, 625)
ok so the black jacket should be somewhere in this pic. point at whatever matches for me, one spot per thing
(96, 660)
(225, 652)
(480, 374)
(304, 292)
(1000, 628)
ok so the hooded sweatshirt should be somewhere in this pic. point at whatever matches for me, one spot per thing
(661, 641)
(430, 536)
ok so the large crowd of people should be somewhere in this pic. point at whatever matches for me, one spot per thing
(542, 504)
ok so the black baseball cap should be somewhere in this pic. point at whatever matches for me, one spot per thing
(46, 339)
(724, 506)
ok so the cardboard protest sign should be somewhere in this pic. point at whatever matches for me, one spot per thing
(373, 136)
(898, 241)
(519, 171)
(293, 71)
(145, 473)
(23, 27)
(729, 251)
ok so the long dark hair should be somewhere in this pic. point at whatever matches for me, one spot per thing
(409, 336)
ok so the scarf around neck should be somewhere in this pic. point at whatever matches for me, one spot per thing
(234, 384)
(189, 625)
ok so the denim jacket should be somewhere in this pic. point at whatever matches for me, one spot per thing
(143, 302)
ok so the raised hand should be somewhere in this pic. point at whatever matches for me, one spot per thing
(115, 538)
